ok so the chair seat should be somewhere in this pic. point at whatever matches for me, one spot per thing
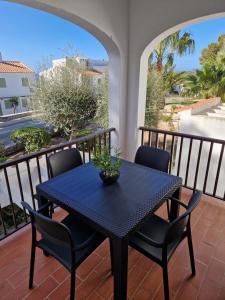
(155, 228)
(80, 232)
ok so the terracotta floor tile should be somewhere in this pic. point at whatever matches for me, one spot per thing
(43, 271)
(61, 291)
(88, 286)
(135, 277)
(216, 271)
(153, 280)
(105, 289)
(104, 267)
(5, 288)
(177, 275)
(220, 251)
(201, 271)
(104, 249)
(208, 291)
(204, 252)
(90, 263)
(133, 258)
(187, 291)
(95, 296)
(43, 290)
(142, 294)
(60, 274)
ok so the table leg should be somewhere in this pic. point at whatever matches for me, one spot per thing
(120, 261)
(174, 210)
(41, 201)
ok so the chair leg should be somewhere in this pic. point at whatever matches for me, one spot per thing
(32, 260)
(191, 252)
(166, 281)
(72, 284)
(111, 255)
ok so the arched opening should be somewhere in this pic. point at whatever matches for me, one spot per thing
(193, 160)
(114, 56)
(150, 47)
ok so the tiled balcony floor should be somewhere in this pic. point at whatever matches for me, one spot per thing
(94, 280)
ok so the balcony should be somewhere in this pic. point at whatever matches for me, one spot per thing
(199, 161)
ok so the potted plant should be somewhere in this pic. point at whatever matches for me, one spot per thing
(108, 165)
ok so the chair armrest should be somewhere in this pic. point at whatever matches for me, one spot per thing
(86, 243)
(178, 201)
(149, 240)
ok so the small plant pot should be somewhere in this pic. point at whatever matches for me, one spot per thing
(108, 179)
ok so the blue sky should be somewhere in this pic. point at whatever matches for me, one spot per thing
(31, 36)
(203, 33)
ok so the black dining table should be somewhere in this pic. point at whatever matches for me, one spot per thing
(116, 210)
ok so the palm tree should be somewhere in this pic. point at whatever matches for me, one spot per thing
(207, 82)
(176, 43)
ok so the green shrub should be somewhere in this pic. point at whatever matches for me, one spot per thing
(33, 139)
(2, 153)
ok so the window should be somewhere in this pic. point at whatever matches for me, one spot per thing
(25, 81)
(8, 104)
(2, 83)
(24, 102)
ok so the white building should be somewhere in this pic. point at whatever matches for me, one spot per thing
(15, 81)
(95, 70)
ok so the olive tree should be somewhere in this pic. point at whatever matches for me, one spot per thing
(65, 99)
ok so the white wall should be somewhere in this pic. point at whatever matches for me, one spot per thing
(14, 84)
(207, 127)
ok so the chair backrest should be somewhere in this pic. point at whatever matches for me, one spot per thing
(177, 227)
(63, 161)
(153, 158)
(51, 230)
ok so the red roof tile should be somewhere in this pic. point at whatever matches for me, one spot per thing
(14, 67)
(91, 73)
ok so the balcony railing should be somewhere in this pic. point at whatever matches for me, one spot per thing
(19, 177)
(198, 160)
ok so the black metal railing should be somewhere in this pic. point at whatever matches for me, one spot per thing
(19, 177)
(198, 160)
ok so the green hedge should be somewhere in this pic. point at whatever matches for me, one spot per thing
(33, 139)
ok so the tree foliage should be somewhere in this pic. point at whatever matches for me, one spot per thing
(209, 81)
(162, 77)
(66, 100)
(177, 43)
(154, 98)
(102, 115)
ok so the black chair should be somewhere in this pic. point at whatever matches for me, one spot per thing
(63, 161)
(158, 239)
(70, 242)
(153, 158)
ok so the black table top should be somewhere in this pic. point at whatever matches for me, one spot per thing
(116, 208)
